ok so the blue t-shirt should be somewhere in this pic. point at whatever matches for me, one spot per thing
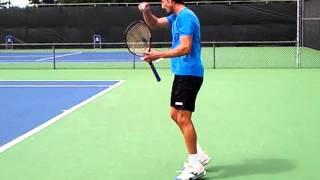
(186, 23)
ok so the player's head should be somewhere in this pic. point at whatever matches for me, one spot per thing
(168, 4)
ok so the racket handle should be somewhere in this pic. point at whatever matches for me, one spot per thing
(155, 72)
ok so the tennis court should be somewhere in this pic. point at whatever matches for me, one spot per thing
(48, 102)
(66, 58)
(72, 56)
(256, 124)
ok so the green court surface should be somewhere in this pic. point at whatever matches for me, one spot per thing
(257, 124)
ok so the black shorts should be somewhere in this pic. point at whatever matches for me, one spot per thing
(184, 92)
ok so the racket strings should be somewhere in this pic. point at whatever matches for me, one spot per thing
(138, 38)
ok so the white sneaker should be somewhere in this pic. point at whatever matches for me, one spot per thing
(203, 158)
(191, 173)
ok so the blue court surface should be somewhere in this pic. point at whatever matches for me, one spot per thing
(69, 56)
(29, 106)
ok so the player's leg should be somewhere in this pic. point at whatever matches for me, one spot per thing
(193, 168)
(183, 97)
(202, 155)
(186, 126)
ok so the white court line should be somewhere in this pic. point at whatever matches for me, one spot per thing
(52, 86)
(31, 56)
(58, 80)
(64, 55)
(56, 118)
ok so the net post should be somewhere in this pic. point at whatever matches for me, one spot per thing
(54, 56)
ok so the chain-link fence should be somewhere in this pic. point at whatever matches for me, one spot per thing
(278, 54)
(310, 34)
(300, 51)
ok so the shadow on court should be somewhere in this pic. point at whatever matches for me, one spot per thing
(250, 167)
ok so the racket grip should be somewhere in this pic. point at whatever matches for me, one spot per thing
(155, 72)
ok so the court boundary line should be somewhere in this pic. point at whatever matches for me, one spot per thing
(63, 55)
(53, 86)
(55, 119)
(38, 56)
(59, 80)
(44, 58)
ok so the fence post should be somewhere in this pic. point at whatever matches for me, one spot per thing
(298, 38)
(214, 55)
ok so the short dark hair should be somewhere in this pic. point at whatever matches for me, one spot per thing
(179, 1)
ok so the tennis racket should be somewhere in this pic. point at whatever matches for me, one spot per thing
(138, 40)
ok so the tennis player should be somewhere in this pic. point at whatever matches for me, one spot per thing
(188, 72)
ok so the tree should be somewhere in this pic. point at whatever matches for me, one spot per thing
(103, 1)
(34, 1)
(42, 1)
(86, 1)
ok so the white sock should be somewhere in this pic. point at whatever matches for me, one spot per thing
(199, 149)
(193, 160)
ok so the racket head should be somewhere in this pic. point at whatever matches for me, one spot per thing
(138, 38)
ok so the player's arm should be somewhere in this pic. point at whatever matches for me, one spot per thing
(184, 48)
(152, 21)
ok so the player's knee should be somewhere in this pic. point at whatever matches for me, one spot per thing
(173, 116)
(181, 122)
(184, 120)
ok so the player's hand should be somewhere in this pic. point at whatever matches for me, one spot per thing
(144, 7)
(151, 56)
